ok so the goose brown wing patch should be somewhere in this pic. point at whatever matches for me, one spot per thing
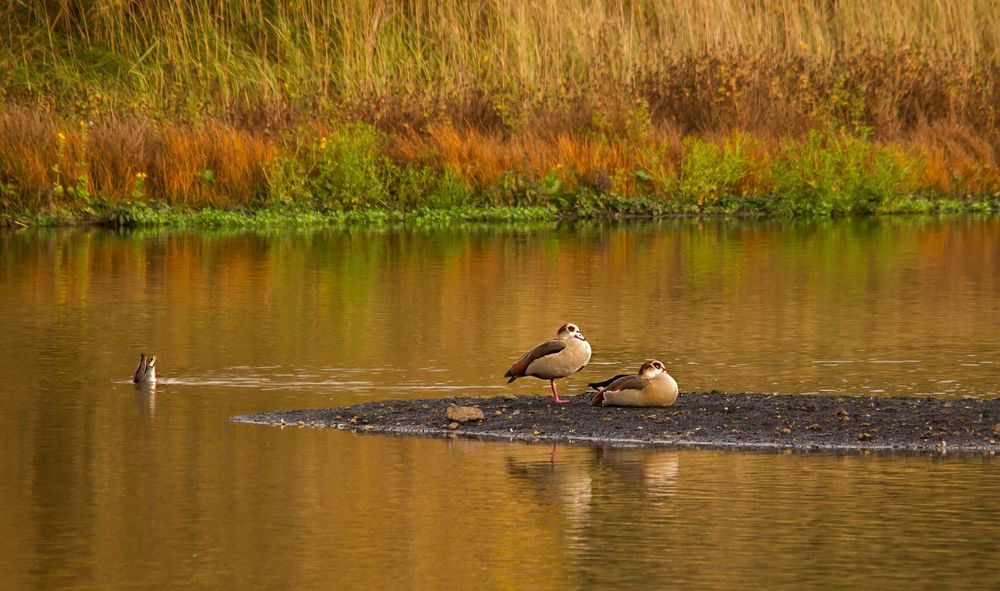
(607, 382)
(543, 350)
(627, 383)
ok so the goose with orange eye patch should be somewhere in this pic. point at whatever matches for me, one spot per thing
(652, 386)
(556, 358)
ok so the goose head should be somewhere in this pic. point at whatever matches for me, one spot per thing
(651, 369)
(570, 331)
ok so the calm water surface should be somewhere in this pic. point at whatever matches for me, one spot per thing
(106, 487)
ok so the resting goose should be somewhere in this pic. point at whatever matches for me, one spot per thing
(652, 386)
(560, 357)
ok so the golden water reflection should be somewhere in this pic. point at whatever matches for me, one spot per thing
(300, 508)
(104, 486)
(885, 306)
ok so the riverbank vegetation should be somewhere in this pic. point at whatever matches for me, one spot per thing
(139, 113)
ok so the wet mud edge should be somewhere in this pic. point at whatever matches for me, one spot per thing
(702, 420)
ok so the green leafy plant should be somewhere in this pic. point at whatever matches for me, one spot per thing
(350, 170)
(710, 172)
(836, 173)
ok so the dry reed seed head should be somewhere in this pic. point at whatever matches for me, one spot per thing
(598, 71)
(396, 46)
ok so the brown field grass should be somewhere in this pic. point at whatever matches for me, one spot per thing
(191, 102)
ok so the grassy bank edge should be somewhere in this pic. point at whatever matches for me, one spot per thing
(355, 173)
(141, 215)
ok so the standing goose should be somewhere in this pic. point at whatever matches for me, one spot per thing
(652, 386)
(560, 357)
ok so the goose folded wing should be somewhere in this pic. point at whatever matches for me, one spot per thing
(632, 382)
(543, 350)
(608, 382)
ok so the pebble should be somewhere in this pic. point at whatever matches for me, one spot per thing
(464, 414)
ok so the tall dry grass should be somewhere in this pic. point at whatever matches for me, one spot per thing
(496, 58)
(48, 163)
(590, 89)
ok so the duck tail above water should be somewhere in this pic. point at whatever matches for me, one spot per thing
(145, 372)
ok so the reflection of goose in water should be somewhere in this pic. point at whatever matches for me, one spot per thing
(652, 386)
(557, 358)
(146, 399)
(589, 484)
(145, 372)
(654, 471)
(564, 482)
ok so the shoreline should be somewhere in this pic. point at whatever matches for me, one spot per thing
(147, 217)
(698, 420)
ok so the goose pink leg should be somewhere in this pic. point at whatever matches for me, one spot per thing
(555, 394)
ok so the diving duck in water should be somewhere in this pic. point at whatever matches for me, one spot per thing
(145, 373)
(652, 386)
(557, 358)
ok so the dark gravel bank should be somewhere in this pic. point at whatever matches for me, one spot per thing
(751, 421)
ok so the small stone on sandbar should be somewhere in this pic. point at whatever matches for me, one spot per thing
(464, 414)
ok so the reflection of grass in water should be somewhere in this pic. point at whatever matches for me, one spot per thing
(732, 267)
